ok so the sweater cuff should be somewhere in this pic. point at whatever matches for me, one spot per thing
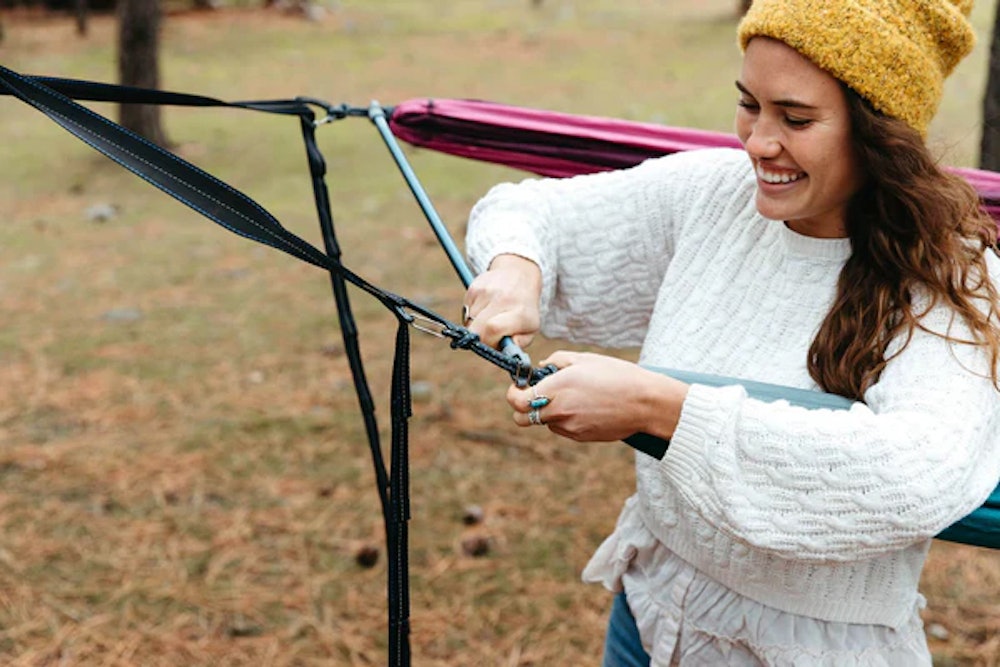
(706, 413)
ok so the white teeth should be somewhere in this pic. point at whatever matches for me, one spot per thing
(777, 178)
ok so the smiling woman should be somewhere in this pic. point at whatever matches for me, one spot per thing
(794, 122)
(831, 253)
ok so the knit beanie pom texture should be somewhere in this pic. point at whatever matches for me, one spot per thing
(894, 53)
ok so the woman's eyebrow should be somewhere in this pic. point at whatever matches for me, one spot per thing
(794, 104)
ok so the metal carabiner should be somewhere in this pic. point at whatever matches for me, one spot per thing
(418, 320)
(333, 112)
(328, 118)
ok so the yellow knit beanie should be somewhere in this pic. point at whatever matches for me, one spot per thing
(894, 53)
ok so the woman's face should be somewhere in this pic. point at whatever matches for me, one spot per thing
(794, 122)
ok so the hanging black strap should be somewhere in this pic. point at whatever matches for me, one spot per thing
(393, 489)
(398, 524)
(345, 316)
(235, 211)
(241, 215)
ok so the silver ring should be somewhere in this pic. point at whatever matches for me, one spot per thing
(535, 418)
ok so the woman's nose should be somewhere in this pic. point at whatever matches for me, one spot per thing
(763, 140)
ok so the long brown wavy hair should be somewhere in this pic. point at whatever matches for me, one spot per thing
(914, 229)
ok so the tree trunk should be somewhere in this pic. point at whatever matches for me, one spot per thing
(80, 9)
(138, 64)
(745, 6)
(989, 149)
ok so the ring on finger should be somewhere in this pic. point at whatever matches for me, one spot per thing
(467, 317)
(538, 400)
(535, 418)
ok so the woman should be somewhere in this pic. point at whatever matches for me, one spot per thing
(831, 254)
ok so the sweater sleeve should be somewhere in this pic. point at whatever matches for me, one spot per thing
(921, 452)
(603, 241)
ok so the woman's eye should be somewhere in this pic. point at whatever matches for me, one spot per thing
(748, 105)
(797, 122)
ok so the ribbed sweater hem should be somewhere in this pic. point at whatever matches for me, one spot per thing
(681, 540)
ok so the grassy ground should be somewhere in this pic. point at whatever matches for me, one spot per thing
(183, 477)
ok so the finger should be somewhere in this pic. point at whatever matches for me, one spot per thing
(521, 419)
(476, 300)
(474, 307)
(476, 289)
(474, 318)
(523, 340)
(531, 398)
(519, 399)
(531, 418)
(561, 359)
(492, 326)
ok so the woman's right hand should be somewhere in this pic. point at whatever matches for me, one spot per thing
(503, 301)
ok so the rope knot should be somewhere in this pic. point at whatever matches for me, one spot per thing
(465, 341)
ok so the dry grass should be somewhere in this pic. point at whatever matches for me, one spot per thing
(183, 479)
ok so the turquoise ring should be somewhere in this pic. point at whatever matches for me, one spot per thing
(538, 401)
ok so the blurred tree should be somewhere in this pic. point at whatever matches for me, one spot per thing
(745, 6)
(138, 65)
(1, 26)
(311, 10)
(80, 9)
(989, 148)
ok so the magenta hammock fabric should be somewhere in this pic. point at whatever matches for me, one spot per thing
(551, 143)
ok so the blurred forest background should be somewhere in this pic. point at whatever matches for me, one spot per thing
(183, 473)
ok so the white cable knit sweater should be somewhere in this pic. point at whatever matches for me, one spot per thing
(818, 513)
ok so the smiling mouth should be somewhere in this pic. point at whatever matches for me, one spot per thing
(775, 178)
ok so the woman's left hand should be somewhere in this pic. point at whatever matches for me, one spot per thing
(597, 398)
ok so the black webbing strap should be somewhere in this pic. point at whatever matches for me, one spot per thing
(348, 326)
(241, 215)
(399, 490)
(93, 91)
(178, 178)
(238, 213)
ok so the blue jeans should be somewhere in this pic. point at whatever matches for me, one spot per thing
(622, 646)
